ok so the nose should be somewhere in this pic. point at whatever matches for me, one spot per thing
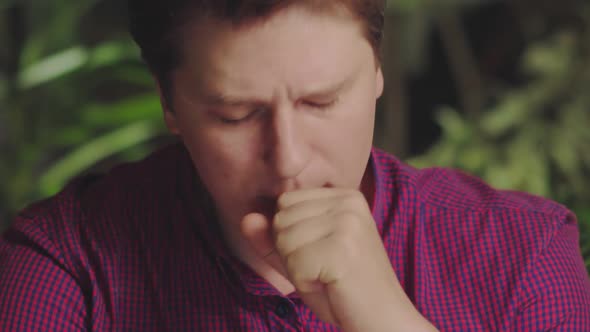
(288, 153)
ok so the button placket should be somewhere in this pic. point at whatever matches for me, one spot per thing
(283, 315)
(283, 309)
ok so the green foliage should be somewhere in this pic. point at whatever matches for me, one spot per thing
(535, 138)
(72, 103)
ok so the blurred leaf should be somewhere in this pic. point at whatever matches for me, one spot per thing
(136, 108)
(134, 75)
(67, 61)
(53, 67)
(453, 125)
(500, 176)
(110, 53)
(511, 112)
(90, 153)
(583, 214)
(550, 58)
(561, 152)
(71, 136)
(474, 158)
(53, 25)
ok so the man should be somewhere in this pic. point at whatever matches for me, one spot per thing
(274, 213)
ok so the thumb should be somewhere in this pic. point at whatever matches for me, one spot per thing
(256, 228)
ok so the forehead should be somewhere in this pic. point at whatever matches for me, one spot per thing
(295, 45)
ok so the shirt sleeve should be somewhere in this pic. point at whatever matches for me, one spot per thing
(556, 293)
(37, 292)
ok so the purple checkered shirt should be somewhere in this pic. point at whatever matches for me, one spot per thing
(138, 249)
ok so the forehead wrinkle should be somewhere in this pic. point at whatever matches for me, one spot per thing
(224, 89)
(265, 77)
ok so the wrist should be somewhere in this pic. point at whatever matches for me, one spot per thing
(402, 315)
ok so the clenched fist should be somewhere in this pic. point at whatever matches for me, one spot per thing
(331, 251)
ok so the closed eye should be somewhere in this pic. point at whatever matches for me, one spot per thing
(231, 121)
(237, 121)
(318, 105)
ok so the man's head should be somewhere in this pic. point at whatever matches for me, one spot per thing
(267, 96)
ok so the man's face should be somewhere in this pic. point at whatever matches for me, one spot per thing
(276, 106)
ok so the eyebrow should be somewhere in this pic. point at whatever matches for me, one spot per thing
(328, 91)
(221, 99)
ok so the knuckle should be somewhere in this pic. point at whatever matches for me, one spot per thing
(295, 269)
(345, 244)
(348, 231)
(354, 199)
(348, 220)
(284, 199)
(349, 200)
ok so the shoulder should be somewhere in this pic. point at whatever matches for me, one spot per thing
(464, 222)
(94, 206)
(496, 246)
(454, 191)
(462, 214)
(134, 179)
(65, 248)
(134, 185)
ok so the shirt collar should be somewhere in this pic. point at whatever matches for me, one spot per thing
(381, 195)
(200, 209)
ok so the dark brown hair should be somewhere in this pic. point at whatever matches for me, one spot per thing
(156, 25)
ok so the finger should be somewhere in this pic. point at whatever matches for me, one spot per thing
(308, 269)
(302, 210)
(256, 228)
(293, 197)
(303, 233)
(316, 262)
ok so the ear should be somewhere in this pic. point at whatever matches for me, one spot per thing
(169, 116)
(379, 83)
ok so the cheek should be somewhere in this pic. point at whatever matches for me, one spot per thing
(222, 156)
(345, 141)
(362, 120)
(352, 126)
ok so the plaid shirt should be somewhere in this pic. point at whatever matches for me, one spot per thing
(138, 250)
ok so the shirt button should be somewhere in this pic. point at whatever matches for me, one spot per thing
(282, 309)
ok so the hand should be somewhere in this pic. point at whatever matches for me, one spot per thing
(329, 245)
